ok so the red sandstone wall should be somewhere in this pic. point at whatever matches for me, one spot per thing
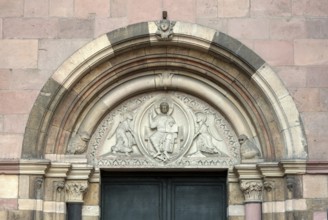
(36, 36)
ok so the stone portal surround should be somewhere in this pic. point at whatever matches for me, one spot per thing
(46, 187)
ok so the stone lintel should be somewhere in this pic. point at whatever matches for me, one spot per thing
(293, 166)
(79, 172)
(317, 167)
(33, 167)
(271, 169)
(58, 170)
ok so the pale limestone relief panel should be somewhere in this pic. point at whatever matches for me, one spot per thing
(164, 129)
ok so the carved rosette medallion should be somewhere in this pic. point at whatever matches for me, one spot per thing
(252, 190)
(169, 129)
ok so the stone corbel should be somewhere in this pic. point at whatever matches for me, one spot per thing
(252, 190)
(75, 191)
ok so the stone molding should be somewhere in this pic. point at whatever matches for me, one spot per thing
(252, 190)
(143, 36)
(75, 191)
(317, 167)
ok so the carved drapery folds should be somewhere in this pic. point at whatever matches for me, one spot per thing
(252, 190)
(75, 190)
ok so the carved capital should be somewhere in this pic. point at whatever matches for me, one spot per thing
(252, 190)
(75, 191)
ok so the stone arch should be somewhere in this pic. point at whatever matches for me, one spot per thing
(133, 60)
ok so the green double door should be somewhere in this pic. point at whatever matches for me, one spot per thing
(163, 196)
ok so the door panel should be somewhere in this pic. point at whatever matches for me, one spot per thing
(197, 201)
(163, 196)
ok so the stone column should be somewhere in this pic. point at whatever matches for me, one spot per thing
(75, 188)
(74, 198)
(252, 190)
(251, 185)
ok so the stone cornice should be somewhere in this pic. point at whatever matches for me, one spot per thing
(247, 171)
(271, 169)
(33, 167)
(58, 170)
(293, 166)
(79, 172)
(9, 167)
(317, 167)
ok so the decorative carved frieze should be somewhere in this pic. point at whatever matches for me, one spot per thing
(252, 190)
(164, 128)
(75, 190)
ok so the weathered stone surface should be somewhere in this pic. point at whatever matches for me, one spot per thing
(18, 53)
(215, 23)
(1, 28)
(299, 215)
(175, 12)
(248, 28)
(271, 8)
(36, 8)
(315, 186)
(118, 8)
(17, 102)
(28, 78)
(8, 204)
(128, 32)
(24, 187)
(320, 216)
(236, 197)
(30, 28)
(61, 8)
(233, 8)
(206, 8)
(5, 79)
(11, 8)
(105, 25)
(76, 28)
(293, 77)
(53, 52)
(307, 99)
(317, 204)
(228, 43)
(15, 124)
(275, 53)
(317, 77)
(311, 52)
(86, 8)
(9, 186)
(311, 8)
(149, 10)
(317, 28)
(285, 28)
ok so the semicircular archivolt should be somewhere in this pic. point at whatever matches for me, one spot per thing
(107, 72)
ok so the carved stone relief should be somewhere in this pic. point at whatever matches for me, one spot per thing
(164, 28)
(248, 149)
(164, 129)
(75, 191)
